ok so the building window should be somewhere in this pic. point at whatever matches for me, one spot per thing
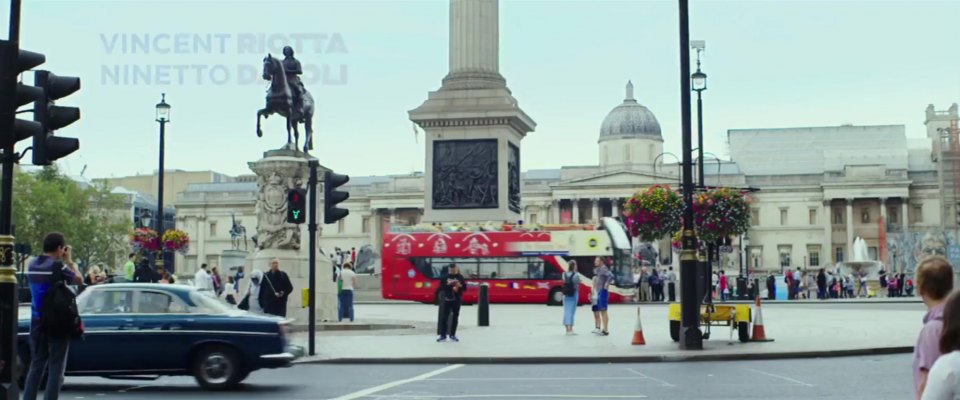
(813, 255)
(865, 216)
(837, 216)
(872, 253)
(366, 224)
(533, 219)
(784, 256)
(918, 214)
(783, 216)
(838, 254)
(755, 217)
(341, 225)
(813, 216)
(892, 212)
(756, 254)
(213, 229)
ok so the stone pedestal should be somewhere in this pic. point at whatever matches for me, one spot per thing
(231, 259)
(277, 172)
(473, 126)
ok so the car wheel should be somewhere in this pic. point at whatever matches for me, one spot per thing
(217, 368)
(556, 297)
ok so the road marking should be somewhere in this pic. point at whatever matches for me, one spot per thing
(580, 378)
(519, 396)
(388, 385)
(782, 377)
(645, 376)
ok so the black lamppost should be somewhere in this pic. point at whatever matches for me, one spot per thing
(699, 81)
(690, 336)
(163, 116)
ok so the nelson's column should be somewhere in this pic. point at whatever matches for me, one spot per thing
(473, 126)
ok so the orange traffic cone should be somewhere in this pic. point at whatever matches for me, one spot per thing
(759, 335)
(638, 332)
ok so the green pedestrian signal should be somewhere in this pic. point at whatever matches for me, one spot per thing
(296, 206)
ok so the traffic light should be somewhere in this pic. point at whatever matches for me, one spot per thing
(297, 206)
(13, 94)
(332, 197)
(48, 148)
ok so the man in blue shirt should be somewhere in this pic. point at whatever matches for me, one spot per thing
(46, 352)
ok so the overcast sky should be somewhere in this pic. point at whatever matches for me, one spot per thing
(770, 64)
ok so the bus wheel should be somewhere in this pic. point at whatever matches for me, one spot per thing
(556, 297)
(675, 330)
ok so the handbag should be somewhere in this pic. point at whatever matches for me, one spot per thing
(245, 303)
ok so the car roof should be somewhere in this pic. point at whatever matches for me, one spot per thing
(180, 289)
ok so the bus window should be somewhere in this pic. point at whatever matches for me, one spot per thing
(513, 268)
(535, 269)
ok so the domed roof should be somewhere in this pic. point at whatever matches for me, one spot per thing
(630, 120)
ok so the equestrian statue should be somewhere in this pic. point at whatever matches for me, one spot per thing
(288, 97)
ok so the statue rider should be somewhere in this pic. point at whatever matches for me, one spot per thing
(293, 70)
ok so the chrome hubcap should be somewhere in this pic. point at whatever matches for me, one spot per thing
(216, 368)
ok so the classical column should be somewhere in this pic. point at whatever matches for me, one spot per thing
(474, 45)
(576, 211)
(555, 205)
(596, 210)
(827, 252)
(616, 208)
(849, 244)
(883, 209)
(904, 220)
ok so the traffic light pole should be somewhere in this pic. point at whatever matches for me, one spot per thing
(312, 232)
(9, 302)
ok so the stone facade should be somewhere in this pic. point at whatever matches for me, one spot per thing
(818, 189)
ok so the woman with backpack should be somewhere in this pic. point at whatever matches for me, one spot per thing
(571, 295)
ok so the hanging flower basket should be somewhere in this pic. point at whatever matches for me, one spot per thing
(721, 213)
(144, 239)
(176, 240)
(654, 213)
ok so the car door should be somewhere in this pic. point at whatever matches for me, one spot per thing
(107, 317)
(160, 319)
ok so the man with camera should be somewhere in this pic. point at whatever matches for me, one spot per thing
(48, 349)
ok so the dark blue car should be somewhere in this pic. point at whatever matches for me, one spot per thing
(138, 330)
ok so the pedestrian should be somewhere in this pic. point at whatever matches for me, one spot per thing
(714, 284)
(217, 283)
(672, 284)
(724, 291)
(849, 283)
(900, 284)
(571, 295)
(883, 283)
(821, 284)
(452, 286)
(202, 280)
(165, 276)
(145, 274)
(944, 377)
(252, 301)
(594, 292)
(788, 279)
(654, 280)
(604, 279)
(934, 283)
(278, 288)
(231, 291)
(892, 286)
(346, 281)
(909, 287)
(48, 349)
(130, 267)
(645, 291)
(94, 276)
(862, 292)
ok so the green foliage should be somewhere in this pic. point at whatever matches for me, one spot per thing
(92, 218)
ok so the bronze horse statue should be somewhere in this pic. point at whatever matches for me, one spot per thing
(280, 101)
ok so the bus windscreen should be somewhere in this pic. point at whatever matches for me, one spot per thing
(618, 235)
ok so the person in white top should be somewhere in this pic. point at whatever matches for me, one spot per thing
(943, 380)
(347, 280)
(203, 281)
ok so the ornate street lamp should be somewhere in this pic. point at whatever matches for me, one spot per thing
(163, 117)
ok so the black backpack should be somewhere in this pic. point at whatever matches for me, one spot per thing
(60, 317)
(569, 288)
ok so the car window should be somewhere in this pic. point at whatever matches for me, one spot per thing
(159, 303)
(106, 302)
(208, 305)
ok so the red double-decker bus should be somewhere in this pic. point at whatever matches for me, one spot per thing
(519, 265)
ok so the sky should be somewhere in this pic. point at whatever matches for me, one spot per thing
(770, 64)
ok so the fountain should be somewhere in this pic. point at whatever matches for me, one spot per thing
(860, 262)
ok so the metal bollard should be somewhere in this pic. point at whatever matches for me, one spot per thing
(483, 310)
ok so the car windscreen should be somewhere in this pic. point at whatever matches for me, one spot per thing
(209, 305)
